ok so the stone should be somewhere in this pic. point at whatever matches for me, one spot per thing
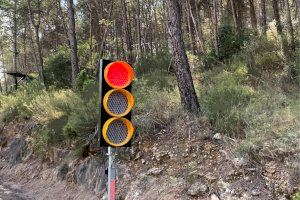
(198, 188)
(210, 177)
(217, 136)
(17, 149)
(240, 162)
(62, 171)
(255, 192)
(214, 197)
(138, 156)
(155, 171)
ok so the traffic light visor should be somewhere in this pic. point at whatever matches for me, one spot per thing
(118, 102)
(118, 74)
(117, 131)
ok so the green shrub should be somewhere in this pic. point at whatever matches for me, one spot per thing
(82, 119)
(272, 125)
(154, 108)
(222, 100)
(13, 106)
(296, 196)
(230, 41)
(58, 69)
(149, 63)
(262, 55)
(63, 117)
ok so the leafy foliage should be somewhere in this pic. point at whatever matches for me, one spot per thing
(223, 99)
(58, 69)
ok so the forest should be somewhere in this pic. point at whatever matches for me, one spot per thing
(233, 63)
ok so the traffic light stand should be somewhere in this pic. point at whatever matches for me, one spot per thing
(111, 174)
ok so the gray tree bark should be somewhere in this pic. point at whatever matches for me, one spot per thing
(262, 17)
(73, 43)
(215, 27)
(15, 51)
(36, 25)
(253, 14)
(298, 8)
(127, 34)
(188, 95)
(289, 23)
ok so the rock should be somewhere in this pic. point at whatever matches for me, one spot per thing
(210, 177)
(88, 172)
(138, 156)
(271, 167)
(255, 192)
(240, 162)
(3, 141)
(154, 171)
(17, 149)
(217, 136)
(62, 171)
(160, 155)
(214, 197)
(198, 188)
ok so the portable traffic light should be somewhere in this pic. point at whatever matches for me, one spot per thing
(116, 103)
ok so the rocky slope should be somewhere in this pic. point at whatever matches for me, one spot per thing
(183, 161)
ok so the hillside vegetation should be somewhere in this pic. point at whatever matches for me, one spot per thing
(243, 57)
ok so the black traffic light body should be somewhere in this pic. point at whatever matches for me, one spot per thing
(104, 88)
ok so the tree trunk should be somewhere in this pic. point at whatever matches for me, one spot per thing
(4, 69)
(195, 26)
(298, 8)
(15, 51)
(237, 13)
(279, 27)
(182, 69)
(215, 28)
(60, 12)
(277, 16)
(102, 47)
(36, 26)
(253, 15)
(138, 25)
(127, 34)
(262, 17)
(73, 43)
(290, 24)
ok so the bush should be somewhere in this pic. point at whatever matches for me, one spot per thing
(272, 125)
(63, 117)
(14, 105)
(159, 62)
(222, 100)
(230, 41)
(154, 108)
(262, 55)
(58, 69)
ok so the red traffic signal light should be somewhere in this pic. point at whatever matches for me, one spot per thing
(116, 103)
(118, 74)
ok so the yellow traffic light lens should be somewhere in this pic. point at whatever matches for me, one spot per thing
(118, 102)
(118, 74)
(117, 131)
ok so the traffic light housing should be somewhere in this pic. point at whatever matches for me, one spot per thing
(115, 103)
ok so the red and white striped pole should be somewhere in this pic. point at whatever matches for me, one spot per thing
(111, 174)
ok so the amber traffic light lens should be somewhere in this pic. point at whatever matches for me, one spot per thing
(117, 131)
(118, 102)
(118, 74)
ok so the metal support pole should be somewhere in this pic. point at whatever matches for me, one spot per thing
(111, 193)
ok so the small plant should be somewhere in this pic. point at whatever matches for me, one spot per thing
(222, 101)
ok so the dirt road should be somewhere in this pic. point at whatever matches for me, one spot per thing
(12, 193)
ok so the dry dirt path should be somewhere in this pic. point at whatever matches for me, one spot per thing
(13, 192)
